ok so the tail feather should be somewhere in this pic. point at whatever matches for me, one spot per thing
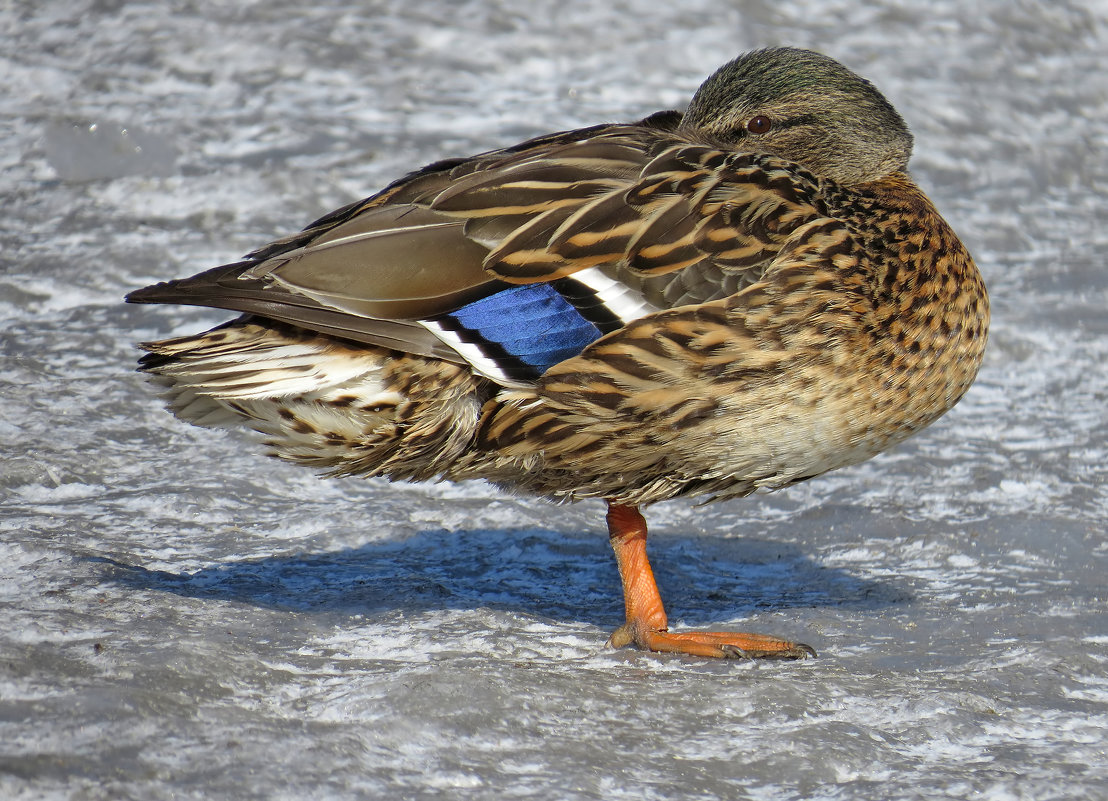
(345, 408)
(227, 287)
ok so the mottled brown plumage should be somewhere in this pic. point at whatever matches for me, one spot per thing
(741, 297)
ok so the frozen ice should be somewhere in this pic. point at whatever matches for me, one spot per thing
(186, 619)
(86, 152)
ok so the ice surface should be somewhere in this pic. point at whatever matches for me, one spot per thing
(87, 152)
(185, 619)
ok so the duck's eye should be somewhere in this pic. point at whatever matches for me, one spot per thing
(759, 124)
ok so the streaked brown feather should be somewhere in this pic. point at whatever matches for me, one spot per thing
(802, 322)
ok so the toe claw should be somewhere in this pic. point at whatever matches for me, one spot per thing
(798, 650)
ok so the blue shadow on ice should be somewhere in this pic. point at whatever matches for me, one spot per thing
(555, 574)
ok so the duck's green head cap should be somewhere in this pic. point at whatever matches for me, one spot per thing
(805, 107)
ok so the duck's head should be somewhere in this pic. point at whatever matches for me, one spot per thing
(804, 107)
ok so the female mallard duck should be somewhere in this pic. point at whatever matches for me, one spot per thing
(735, 298)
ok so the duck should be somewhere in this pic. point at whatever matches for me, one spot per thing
(708, 303)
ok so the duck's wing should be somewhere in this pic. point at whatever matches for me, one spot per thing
(517, 259)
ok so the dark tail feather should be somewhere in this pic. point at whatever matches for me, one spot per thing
(225, 288)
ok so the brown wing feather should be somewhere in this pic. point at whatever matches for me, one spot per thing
(225, 288)
(686, 206)
(681, 222)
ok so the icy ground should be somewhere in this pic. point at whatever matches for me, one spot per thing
(182, 618)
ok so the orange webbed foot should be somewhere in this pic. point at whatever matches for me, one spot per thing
(717, 644)
(646, 624)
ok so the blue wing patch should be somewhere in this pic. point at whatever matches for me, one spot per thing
(524, 329)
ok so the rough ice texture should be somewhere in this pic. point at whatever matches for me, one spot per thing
(183, 618)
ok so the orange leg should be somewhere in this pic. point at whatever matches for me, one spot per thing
(646, 624)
